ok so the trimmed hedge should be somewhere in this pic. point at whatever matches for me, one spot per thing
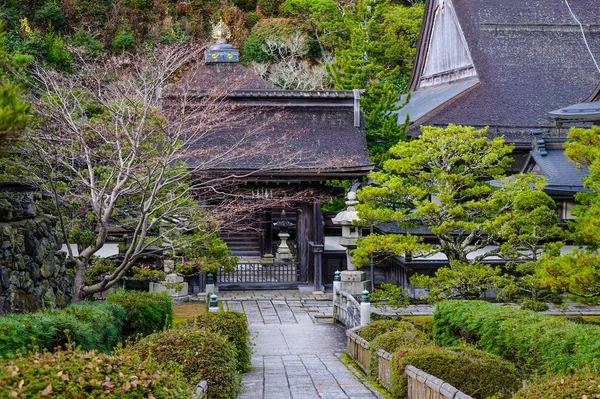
(476, 373)
(76, 374)
(403, 337)
(561, 388)
(90, 325)
(379, 327)
(233, 325)
(107, 321)
(146, 312)
(534, 342)
(202, 354)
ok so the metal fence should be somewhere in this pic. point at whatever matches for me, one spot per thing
(263, 273)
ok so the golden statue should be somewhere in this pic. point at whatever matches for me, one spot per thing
(221, 32)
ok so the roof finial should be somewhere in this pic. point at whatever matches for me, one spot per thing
(221, 51)
(221, 32)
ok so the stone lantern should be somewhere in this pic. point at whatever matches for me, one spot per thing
(353, 281)
(283, 253)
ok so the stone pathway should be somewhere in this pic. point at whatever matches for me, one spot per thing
(295, 348)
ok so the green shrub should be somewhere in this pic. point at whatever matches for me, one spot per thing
(251, 19)
(123, 38)
(235, 326)
(146, 312)
(474, 372)
(561, 388)
(269, 8)
(534, 342)
(202, 354)
(378, 327)
(76, 374)
(53, 14)
(107, 321)
(88, 325)
(404, 337)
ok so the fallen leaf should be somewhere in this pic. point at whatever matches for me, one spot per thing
(21, 384)
(47, 390)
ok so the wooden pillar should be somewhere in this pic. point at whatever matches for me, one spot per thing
(267, 232)
(317, 243)
(304, 236)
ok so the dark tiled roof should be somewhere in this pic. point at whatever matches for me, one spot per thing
(281, 133)
(223, 77)
(301, 139)
(530, 58)
(562, 175)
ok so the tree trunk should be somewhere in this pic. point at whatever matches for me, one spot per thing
(79, 281)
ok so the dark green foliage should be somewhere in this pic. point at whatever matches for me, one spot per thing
(474, 372)
(87, 324)
(49, 49)
(123, 38)
(252, 19)
(577, 387)
(269, 8)
(52, 15)
(202, 354)
(402, 338)
(146, 312)
(233, 325)
(75, 374)
(82, 38)
(14, 114)
(534, 342)
(378, 327)
(106, 318)
(245, 5)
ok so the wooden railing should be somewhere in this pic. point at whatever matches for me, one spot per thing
(346, 309)
(358, 349)
(423, 385)
(384, 369)
(420, 384)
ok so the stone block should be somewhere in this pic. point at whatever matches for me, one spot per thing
(352, 276)
(355, 287)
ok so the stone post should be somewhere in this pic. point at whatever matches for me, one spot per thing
(365, 309)
(213, 305)
(210, 284)
(336, 284)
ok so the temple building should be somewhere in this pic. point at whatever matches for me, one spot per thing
(279, 151)
(505, 65)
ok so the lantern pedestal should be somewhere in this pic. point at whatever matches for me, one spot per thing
(354, 282)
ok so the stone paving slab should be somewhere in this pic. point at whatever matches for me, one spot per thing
(298, 361)
(294, 355)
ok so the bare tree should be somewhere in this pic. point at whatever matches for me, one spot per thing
(110, 147)
(290, 70)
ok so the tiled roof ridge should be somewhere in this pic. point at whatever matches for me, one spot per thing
(292, 93)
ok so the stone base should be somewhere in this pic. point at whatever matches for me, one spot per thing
(354, 282)
(352, 276)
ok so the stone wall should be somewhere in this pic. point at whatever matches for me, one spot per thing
(32, 267)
